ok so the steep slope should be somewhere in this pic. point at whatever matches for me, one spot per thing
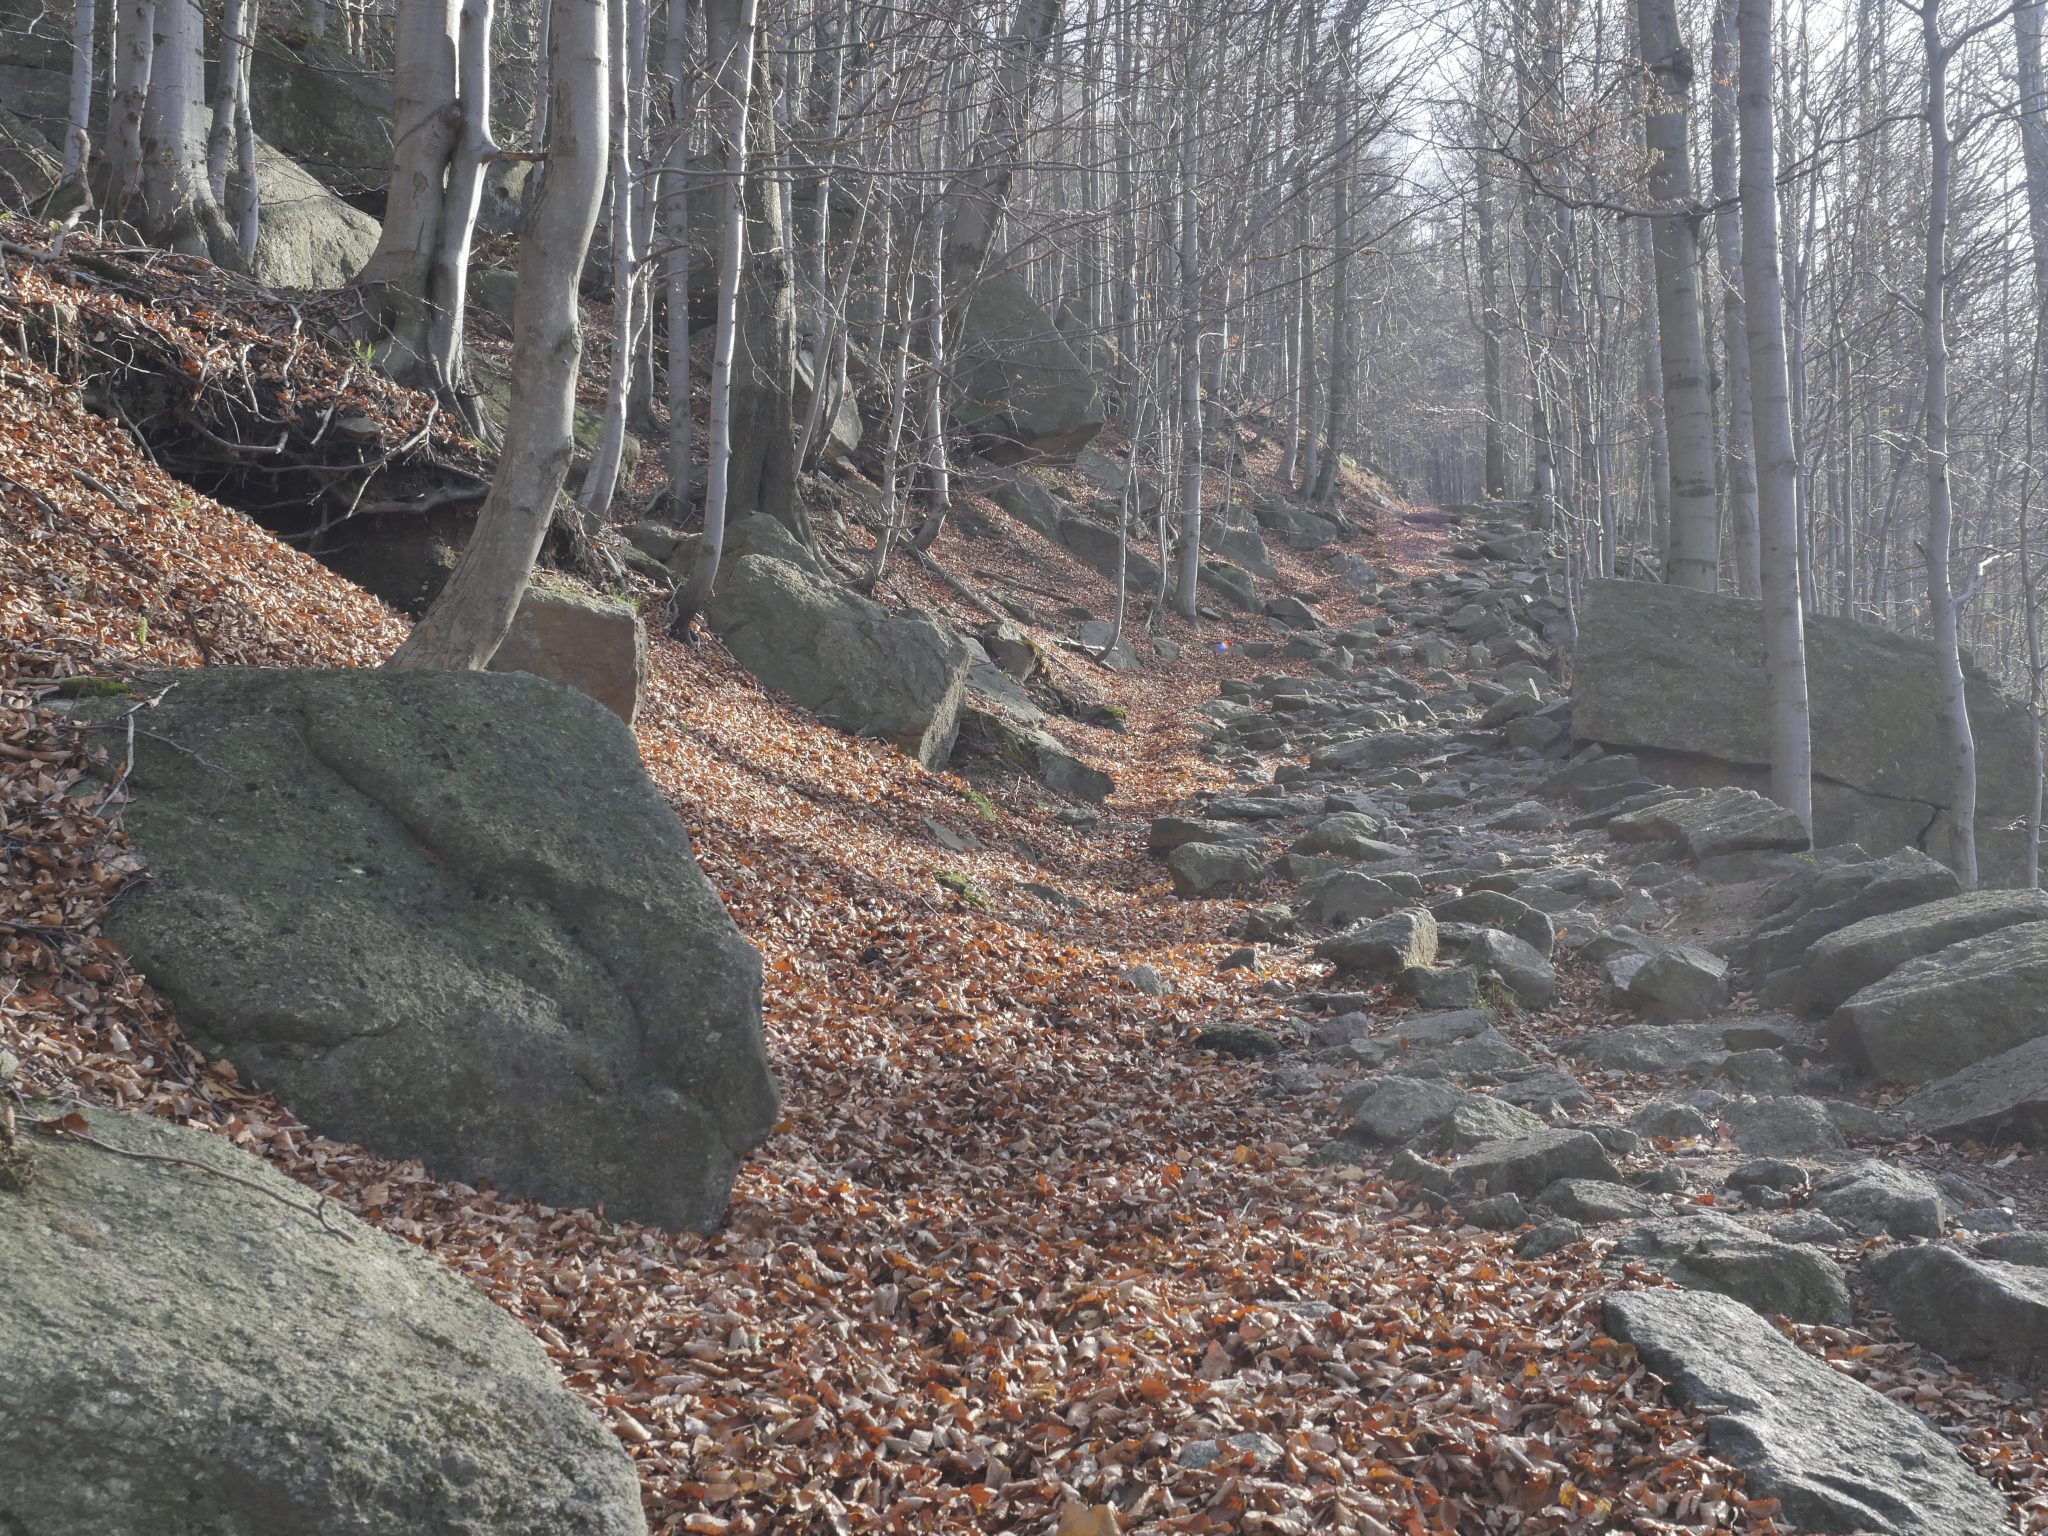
(1017, 1242)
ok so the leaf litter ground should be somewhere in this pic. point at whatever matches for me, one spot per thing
(1016, 1257)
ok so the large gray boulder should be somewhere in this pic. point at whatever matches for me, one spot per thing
(1838, 1456)
(595, 645)
(1941, 1013)
(447, 916)
(1705, 1252)
(306, 237)
(1674, 676)
(195, 1353)
(1984, 1314)
(1023, 391)
(2001, 1098)
(1851, 958)
(851, 662)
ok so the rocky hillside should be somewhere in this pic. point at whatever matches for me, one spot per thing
(1360, 1113)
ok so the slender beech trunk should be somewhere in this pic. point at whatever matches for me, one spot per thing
(469, 619)
(1695, 547)
(78, 117)
(729, 37)
(936, 465)
(1738, 455)
(2033, 120)
(1191, 337)
(134, 54)
(629, 49)
(1490, 325)
(179, 208)
(1771, 407)
(675, 226)
(1951, 706)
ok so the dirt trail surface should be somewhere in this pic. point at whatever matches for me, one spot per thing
(1019, 1247)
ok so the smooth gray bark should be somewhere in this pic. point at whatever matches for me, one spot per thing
(469, 619)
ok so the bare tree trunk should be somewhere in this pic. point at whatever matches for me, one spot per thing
(729, 40)
(134, 55)
(469, 619)
(675, 225)
(892, 449)
(979, 192)
(935, 397)
(1738, 455)
(763, 470)
(79, 116)
(179, 209)
(1342, 363)
(415, 284)
(1771, 406)
(1695, 558)
(1191, 337)
(2033, 120)
(1952, 706)
(629, 45)
(1496, 480)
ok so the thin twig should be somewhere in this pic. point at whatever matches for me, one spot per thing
(57, 1129)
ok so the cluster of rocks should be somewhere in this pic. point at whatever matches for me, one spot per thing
(1449, 842)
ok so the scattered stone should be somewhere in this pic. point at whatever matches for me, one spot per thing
(1260, 1451)
(1806, 1227)
(1147, 982)
(1838, 1456)
(1524, 1164)
(1345, 896)
(1493, 909)
(2029, 1249)
(1548, 1237)
(1982, 1314)
(1385, 946)
(1876, 1198)
(1211, 869)
(851, 662)
(1455, 986)
(1239, 1040)
(1678, 984)
(1498, 1213)
(1671, 1120)
(1714, 823)
(1760, 1072)
(1705, 1252)
(592, 644)
(1789, 1126)
(1396, 1111)
(1768, 1173)
(1595, 1200)
(192, 1353)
